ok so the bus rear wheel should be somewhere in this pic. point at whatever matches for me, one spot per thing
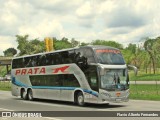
(23, 94)
(80, 99)
(30, 95)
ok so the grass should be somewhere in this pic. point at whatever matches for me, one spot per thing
(144, 77)
(145, 92)
(6, 86)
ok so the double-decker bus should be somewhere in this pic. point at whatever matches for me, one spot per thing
(88, 74)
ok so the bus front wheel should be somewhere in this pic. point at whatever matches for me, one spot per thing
(80, 99)
(30, 95)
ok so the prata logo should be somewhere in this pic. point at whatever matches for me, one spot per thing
(39, 70)
(61, 69)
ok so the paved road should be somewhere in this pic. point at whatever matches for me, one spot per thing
(145, 82)
(11, 103)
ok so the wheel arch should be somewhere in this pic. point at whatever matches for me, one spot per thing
(29, 89)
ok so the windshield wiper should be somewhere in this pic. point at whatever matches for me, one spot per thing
(116, 78)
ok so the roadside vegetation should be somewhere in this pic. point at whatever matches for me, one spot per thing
(141, 76)
(5, 85)
(145, 92)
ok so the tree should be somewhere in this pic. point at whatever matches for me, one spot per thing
(74, 43)
(10, 52)
(146, 60)
(128, 56)
(84, 44)
(27, 47)
(134, 53)
(22, 44)
(107, 43)
(132, 47)
(62, 44)
(148, 45)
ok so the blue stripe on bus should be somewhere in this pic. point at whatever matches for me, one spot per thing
(18, 83)
(56, 88)
(91, 92)
(64, 88)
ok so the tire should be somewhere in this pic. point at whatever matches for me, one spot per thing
(30, 95)
(23, 95)
(80, 99)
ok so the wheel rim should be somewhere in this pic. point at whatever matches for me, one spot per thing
(24, 95)
(30, 95)
(80, 100)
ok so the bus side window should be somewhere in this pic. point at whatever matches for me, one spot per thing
(14, 65)
(34, 61)
(92, 77)
(42, 60)
(49, 59)
(66, 57)
(53, 59)
(89, 55)
(80, 59)
(57, 58)
(18, 63)
(31, 61)
(72, 55)
(26, 61)
(69, 80)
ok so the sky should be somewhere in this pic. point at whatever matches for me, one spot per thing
(123, 21)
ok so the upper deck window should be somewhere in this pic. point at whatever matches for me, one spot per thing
(109, 56)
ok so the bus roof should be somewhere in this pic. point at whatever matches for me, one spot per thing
(88, 46)
(100, 47)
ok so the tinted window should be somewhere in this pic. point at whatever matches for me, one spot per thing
(92, 77)
(14, 63)
(30, 61)
(80, 59)
(110, 56)
(45, 80)
(66, 80)
(17, 63)
(70, 80)
(50, 59)
(65, 57)
(42, 60)
(88, 54)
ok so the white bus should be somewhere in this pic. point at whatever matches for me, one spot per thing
(89, 74)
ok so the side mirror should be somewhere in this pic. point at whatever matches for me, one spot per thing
(102, 71)
(133, 68)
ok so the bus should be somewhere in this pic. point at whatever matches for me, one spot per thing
(88, 74)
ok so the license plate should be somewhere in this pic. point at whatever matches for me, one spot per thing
(118, 100)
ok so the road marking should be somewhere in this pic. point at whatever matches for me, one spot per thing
(6, 109)
(52, 104)
(51, 118)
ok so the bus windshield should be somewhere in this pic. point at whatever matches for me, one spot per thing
(110, 56)
(114, 79)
